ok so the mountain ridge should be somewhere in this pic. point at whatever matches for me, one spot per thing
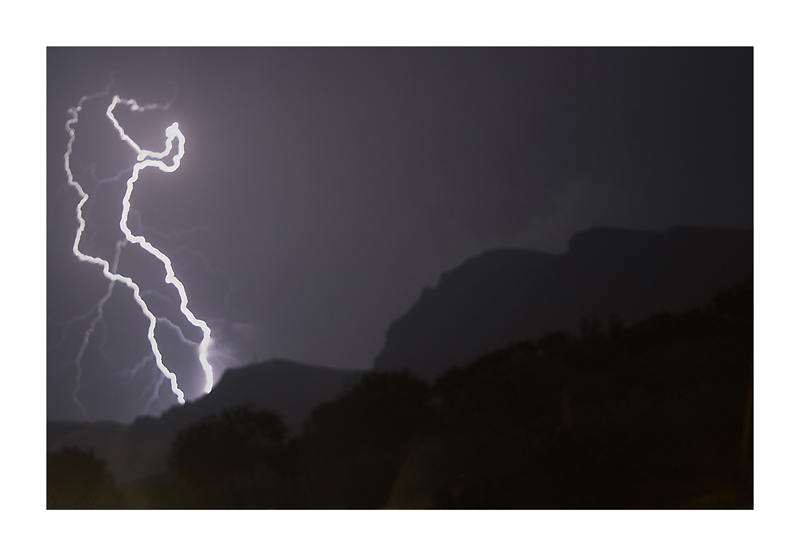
(140, 449)
(507, 295)
(484, 304)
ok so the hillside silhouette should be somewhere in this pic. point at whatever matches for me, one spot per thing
(506, 295)
(132, 452)
(653, 415)
(616, 375)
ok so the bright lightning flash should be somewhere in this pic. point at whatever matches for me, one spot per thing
(145, 159)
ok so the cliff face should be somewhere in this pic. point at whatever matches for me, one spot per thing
(504, 296)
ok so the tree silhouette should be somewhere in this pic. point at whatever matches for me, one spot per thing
(653, 415)
(353, 448)
(237, 460)
(76, 479)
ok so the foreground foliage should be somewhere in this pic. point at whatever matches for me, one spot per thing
(656, 415)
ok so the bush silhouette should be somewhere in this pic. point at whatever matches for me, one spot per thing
(76, 479)
(354, 447)
(652, 415)
(238, 459)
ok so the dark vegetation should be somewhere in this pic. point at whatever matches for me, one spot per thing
(654, 415)
(525, 294)
(76, 479)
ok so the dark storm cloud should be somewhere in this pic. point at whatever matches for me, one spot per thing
(331, 185)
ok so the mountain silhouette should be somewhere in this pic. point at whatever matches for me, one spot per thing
(655, 415)
(509, 295)
(485, 304)
(140, 449)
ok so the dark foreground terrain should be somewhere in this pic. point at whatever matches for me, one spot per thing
(654, 415)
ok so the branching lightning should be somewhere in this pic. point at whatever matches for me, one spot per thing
(87, 335)
(145, 159)
(129, 374)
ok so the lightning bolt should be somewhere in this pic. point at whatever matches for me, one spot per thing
(87, 335)
(151, 158)
(145, 158)
(204, 263)
(152, 395)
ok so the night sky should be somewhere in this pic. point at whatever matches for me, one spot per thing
(323, 188)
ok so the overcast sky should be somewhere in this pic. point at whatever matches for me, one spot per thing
(322, 189)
